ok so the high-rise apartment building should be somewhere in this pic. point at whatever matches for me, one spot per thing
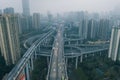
(24, 21)
(36, 21)
(18, 16)
(83, 28)
(103, 29)
(114, 50)
(9, 10)
(92, 29)
(80, 29)
(30, 23)
(26, 8)
(9, 40)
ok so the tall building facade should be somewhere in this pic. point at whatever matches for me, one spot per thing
(114, 50)
(80, 29)
(30, 23)
(91, 29)
(25, 23)
(103, 29)
(9, 10)
(9, 40)
(26, 8)
(20, 31)
(83, 28)
(36, 21)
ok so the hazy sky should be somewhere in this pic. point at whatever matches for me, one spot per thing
(62, 5)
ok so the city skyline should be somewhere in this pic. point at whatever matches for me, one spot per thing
(60, 40)
(59, 6)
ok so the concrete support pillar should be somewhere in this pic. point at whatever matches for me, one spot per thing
(32, 65)
(48, 60)
(76, 65)
(27, 72)
(29, 66)
(35, 54)
(81, 58)
(45, 42)
(39, 48)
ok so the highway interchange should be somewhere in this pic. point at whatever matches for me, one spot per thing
(57, 67)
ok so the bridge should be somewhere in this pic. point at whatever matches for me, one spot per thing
(59, 52)
(57, 68)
